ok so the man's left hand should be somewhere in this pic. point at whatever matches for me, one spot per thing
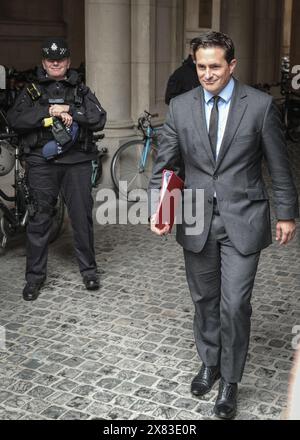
(285, 231)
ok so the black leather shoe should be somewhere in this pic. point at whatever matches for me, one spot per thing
(32, 290)
(91, 282)
(204, 381)
(225, 407)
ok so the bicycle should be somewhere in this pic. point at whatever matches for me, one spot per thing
(97, 167)
(289, 103)
(14, 216)
(133, 161)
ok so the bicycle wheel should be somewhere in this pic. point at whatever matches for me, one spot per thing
(58, 219)
(292, 122)
(294, 133)
(2, 250)
(125, 167)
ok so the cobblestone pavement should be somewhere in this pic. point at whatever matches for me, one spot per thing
(127, 350)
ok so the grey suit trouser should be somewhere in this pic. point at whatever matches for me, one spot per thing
(221, 282)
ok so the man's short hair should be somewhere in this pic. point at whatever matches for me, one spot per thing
(215, 39)
(193, 41)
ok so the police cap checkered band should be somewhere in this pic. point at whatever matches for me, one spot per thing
(55, 49)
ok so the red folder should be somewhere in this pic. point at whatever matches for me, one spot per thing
(170, 195)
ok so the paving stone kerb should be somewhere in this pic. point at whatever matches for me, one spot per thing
(127, 350)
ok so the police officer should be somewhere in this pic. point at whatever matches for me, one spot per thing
(56, 117)
(184, 78)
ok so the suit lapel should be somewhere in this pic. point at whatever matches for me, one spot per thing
(236, 112)
(198, 111)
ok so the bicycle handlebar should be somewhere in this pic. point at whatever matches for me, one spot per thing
(154, 115)
(145, 120)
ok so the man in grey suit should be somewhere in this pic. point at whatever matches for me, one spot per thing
(222, 130)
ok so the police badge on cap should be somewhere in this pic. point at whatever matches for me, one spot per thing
(55, 49)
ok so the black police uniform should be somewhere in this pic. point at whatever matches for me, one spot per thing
(69, 173)
(184, 78)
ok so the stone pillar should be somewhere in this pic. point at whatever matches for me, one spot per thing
(287, 27)
(141, 46)
(108, 68)
(168, 41)
(255, 27)
(73, 15)
(295, 34)
(157, 40)
(130, 51)
(267, 40)
(108, 58)
(237, 22)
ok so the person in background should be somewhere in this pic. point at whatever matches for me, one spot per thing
(184, 78)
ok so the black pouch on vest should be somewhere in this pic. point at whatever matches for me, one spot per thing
(60, 132)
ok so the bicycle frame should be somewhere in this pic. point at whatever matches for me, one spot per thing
(13, 218)
(132, 162)
(146, 149)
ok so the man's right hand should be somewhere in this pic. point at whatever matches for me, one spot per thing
(156, 230)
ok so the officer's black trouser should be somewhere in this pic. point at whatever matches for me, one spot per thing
(74, 181)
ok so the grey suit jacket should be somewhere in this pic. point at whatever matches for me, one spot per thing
(253, 131)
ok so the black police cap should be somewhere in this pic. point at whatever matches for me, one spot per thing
(55, 49)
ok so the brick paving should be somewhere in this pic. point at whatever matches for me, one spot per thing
(127, 350)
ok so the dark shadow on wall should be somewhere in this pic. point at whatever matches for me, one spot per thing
(25, 24)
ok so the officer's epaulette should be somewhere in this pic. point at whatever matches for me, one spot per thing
(34, 91)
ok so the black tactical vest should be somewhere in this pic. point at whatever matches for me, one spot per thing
(53, 94)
